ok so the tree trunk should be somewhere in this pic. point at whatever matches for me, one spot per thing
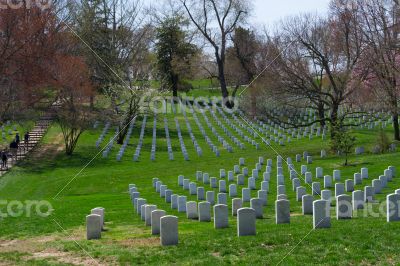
(396, 126)
(121, 135)
(222, 82)
(334, 119)
(321, 114)
(91, 102)
(175, 82)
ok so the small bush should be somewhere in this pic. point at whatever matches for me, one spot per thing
(343, 143)
(382, 142)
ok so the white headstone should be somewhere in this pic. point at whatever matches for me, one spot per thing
(204, 211)
(319, 172)
(377, 185)
(148, 210)
(246, 222)
(364, 173)
(232, 190)
(210, 197)
(93, 226)
(155, 221)
(257, 205)
(236, 205)
(316, 188)
(282, 211)
(357, 179)
(169, 230)
(240, 180)
(307, 204)
(191, 210)
(222, 198)
(300, 192)
(308, 178)
(245, 194)
(252, 183)
(349, 185)
(174, 201)
(336, 175)
(263, 196)
(221, 216)
(181, 203)
(339, 189)
(369, 194)
(358, 199)
(393, 208)
(321, 214)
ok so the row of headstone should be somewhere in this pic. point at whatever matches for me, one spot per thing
(202, 211)
(252, 133)
(301, 118)
(154, 141)
(249, 130)
(182, 143)
(103, 134)
(126, 140)
(95, 223)
(207, 139)
(110, 144)
(141, 137)
(226, 130)
(167, 136)
(224, 143)
(161, 224)
(235, 127)
(197, 147)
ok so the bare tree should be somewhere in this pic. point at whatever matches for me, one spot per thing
(245, 60)
(380, 25)
(117, 39)
(315, 63)
(216, 20)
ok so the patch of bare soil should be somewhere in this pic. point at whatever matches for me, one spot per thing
(64, 257)
(36, 247)
(50, 149)
(140, 242)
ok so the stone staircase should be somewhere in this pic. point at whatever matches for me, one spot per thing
(35, 136)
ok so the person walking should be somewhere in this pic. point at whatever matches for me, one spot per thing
(14, 150)
(17, 138)
(4, 159)
(26, 140)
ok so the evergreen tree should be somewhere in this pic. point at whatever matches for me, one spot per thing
(174, 53)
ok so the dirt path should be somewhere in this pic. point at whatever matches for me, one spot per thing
(50, 149)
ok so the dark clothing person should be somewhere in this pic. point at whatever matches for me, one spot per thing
(14, 150)
(4, 159)
(14, 145)
(26, 137)
(26, 140)
(17, 140)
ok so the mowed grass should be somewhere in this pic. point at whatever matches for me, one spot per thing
(73, 190)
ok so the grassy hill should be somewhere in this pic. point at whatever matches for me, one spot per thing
(74, 185)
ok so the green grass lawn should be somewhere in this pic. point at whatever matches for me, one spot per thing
(104, 182)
